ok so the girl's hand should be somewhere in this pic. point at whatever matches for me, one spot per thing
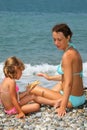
(21, 115)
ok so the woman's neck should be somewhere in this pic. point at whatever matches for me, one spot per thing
(67, 48)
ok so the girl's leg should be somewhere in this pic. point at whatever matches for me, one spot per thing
(26, 99)
(33, 107)
(45, 92)
(22, 94)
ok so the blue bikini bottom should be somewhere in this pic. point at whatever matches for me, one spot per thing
(76, 100)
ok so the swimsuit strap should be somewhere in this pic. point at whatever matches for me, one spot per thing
(17, 88)
(70, 45)
(79, 73)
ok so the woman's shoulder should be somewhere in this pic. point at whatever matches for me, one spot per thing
(67, 55)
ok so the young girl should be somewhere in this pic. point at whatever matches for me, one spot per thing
(13, 68)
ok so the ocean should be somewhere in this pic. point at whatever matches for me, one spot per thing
(28, 36)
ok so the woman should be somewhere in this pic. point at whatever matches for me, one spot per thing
(69, 91)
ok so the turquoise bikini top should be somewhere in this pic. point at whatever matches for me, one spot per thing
(59, 68)
(60, 71)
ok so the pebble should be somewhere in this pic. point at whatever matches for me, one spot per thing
(46, 119)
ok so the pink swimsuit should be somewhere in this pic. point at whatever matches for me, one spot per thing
(13, 110)
(10, 112)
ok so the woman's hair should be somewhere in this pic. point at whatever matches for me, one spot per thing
(11, 65)
(64, 28)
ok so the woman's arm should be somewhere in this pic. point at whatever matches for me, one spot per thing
(48, 77)
(67, 83)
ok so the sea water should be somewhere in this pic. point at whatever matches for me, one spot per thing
(28, 36)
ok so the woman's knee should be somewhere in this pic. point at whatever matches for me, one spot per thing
(69, 105)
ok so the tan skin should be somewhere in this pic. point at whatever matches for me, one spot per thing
(9, 99)
(70, 84)
(71, 63)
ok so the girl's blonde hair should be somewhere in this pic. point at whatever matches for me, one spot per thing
(11, 65)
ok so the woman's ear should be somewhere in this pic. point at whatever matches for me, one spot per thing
(68, 38)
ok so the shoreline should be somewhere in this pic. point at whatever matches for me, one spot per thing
(47, 119)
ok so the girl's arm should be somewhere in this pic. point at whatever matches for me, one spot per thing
(13, 96)
(22, 94)
(48, 77)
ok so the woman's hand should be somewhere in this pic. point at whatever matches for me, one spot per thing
(49, 77)
(46, 76)
(61, 111)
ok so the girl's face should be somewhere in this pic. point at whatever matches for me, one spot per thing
(19, 73)
(60, 40)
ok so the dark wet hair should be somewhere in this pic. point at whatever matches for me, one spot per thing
(11, 65)
(64, 28)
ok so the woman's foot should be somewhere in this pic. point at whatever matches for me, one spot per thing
(57, 103)
(32, 86)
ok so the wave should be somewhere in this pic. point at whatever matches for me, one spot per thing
(85, 69)
(31, 71)
(44, 68)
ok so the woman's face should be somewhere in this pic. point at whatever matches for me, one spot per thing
(60, 40)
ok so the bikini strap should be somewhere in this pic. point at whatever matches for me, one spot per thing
(70, 45)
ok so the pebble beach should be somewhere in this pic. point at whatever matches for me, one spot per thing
(47, 119)
(26, 32)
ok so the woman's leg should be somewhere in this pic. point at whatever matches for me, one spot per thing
(45, 92)
(42, 100)
(55, 103)
(49, 94)
(57, 87)
(48, 97)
